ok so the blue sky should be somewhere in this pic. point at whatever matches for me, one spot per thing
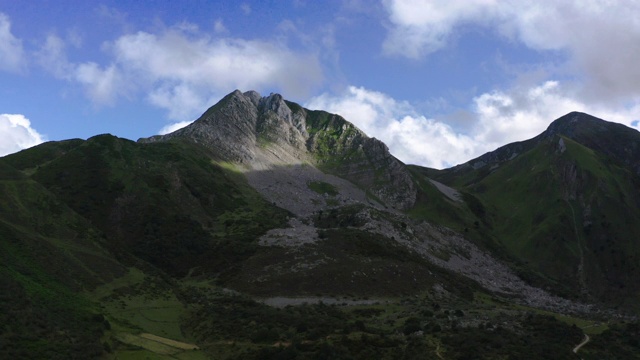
(440, 82)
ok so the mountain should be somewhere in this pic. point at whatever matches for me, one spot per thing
(264, 131)
(48, 254)
(266, 230)
(565, 202)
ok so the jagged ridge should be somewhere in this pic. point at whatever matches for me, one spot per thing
(262, 132)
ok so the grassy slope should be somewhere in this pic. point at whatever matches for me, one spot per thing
(47, 254)
(552, 211)
(167, 203)
(524, 200)
(132, 199)
(435, 207)
(118, 186)
(618, 342)
(343, 150)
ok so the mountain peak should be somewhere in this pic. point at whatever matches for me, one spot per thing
(262, 132)
(620, 143)
(574, 122)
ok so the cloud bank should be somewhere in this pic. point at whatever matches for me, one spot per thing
(183, 70)
(16, 134)
(500, 117)
(410, 136)
(601, 39)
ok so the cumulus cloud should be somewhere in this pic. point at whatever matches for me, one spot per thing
(420, 27)
(173, 127)
(499, 117)
(182, 70)
(219, 63)
(16, 134)
(103, 85)
(601, 38)
(186, 72)
(411, 137)
(521, 113)
(11, 51)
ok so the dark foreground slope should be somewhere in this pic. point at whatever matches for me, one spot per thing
(48, 254)
(169, 204)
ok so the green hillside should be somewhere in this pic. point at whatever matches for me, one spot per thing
(47, 255)
(563, 209)
(170, 204)
(115, 249)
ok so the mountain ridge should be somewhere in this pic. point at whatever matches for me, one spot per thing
(583, 162)
(263, 131)
(262, 203)
(570, 125)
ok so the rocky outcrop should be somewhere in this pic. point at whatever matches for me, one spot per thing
(262, 132)
(242, 125)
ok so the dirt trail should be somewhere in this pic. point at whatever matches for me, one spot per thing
(282, 301)
(156, 344)
(583, 343)
(438, 352)
(170, 342)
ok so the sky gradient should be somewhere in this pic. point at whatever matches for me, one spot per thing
(440, 82)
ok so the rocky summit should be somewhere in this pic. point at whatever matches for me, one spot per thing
(268, 132)
(264, 230)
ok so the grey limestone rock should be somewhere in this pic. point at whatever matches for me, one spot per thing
(263, 132)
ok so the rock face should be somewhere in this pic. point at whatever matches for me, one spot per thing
(265, 132)
(246, 128)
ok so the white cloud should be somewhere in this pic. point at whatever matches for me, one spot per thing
(16, 134)
(52, 57)
(103, 85)
(246, 8)
(500, 117)
(221, 63)
(180, 100)
(182, 70)
(11, 51)
(601, 38)
(185, 72)
(173, 127)
(410, 136)
(519, 114)
(522, 113)
(420, 27)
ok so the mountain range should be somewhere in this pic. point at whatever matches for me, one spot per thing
(267, 230)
